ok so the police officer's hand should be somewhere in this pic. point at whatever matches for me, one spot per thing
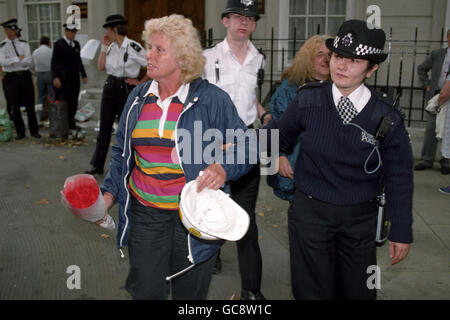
(213, 177)
(284, 168)
(57, 83)
(106, 41)
(21, 57)
(85, 80)
(397, 251)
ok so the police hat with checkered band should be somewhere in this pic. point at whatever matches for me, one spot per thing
(359, 39)
(248, 8)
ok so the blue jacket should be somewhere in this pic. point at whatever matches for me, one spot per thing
(283, 187)
(207, 105)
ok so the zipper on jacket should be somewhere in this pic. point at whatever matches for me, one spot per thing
(176, 129)
(125, 176)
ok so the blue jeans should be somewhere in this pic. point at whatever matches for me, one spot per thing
(44, 86)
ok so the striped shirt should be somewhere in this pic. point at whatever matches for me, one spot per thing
(157, 179)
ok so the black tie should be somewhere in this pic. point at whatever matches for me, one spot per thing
(15, 49)
(346, 109)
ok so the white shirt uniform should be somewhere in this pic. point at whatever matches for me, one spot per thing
(239, 81)
(359, 97)
(115, 64)
(9, 60)
(42, 58)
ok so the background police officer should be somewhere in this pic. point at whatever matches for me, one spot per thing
(122, 58)
(15, 59)
(66, 69)
(233, 65)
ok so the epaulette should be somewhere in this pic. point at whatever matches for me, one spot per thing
(210, 47)
(2, 44)
(385, 98)
(21, 40)
(135, 46)
(311, 85)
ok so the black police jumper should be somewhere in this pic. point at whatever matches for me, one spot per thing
(332, 225)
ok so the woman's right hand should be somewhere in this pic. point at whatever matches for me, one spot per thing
(108, 198)
(284, 168)
(106, 41)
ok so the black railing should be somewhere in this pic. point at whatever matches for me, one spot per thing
(393, 78)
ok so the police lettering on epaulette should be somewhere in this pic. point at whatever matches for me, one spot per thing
(135, 46)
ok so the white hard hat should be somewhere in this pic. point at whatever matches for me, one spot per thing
(211, 214)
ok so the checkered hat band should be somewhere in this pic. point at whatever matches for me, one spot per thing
(363, 50)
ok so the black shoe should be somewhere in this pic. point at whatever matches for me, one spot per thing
(421, 166)
(94, 170)
(445, 170)
(20, 136)
(251, 295)
(217, 266)
(36, 135)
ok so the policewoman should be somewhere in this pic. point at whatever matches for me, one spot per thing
(15, 60)
(122, 59)
(341, 169)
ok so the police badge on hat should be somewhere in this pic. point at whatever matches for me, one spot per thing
(248, 8)
(356, 40)
(247, 2)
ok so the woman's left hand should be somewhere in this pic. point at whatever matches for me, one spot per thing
(213, 177)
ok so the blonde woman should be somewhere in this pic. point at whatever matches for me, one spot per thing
(311, 63)
(148, 171)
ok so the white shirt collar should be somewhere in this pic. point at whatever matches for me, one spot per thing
(68, 41)
(251, 50)
(124, 43)
(359, 97)
(181, 93)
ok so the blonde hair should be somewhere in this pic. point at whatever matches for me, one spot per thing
(185, 41)
(302, 68)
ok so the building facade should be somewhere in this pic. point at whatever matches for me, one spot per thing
(283, 27)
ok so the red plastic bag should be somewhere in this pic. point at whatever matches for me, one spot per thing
(82, 196)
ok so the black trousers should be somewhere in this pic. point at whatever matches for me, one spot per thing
(331, 248)
(70, 90)
(158, 248)
(245, 192)
(114, 97)
(19, 91)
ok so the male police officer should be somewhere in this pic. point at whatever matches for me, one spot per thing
(233, 65)
(66, 69)
(15, 59)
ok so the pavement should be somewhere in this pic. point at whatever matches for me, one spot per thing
(42, 243)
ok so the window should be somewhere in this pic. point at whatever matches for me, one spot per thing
(306, 18)
(40, 18)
